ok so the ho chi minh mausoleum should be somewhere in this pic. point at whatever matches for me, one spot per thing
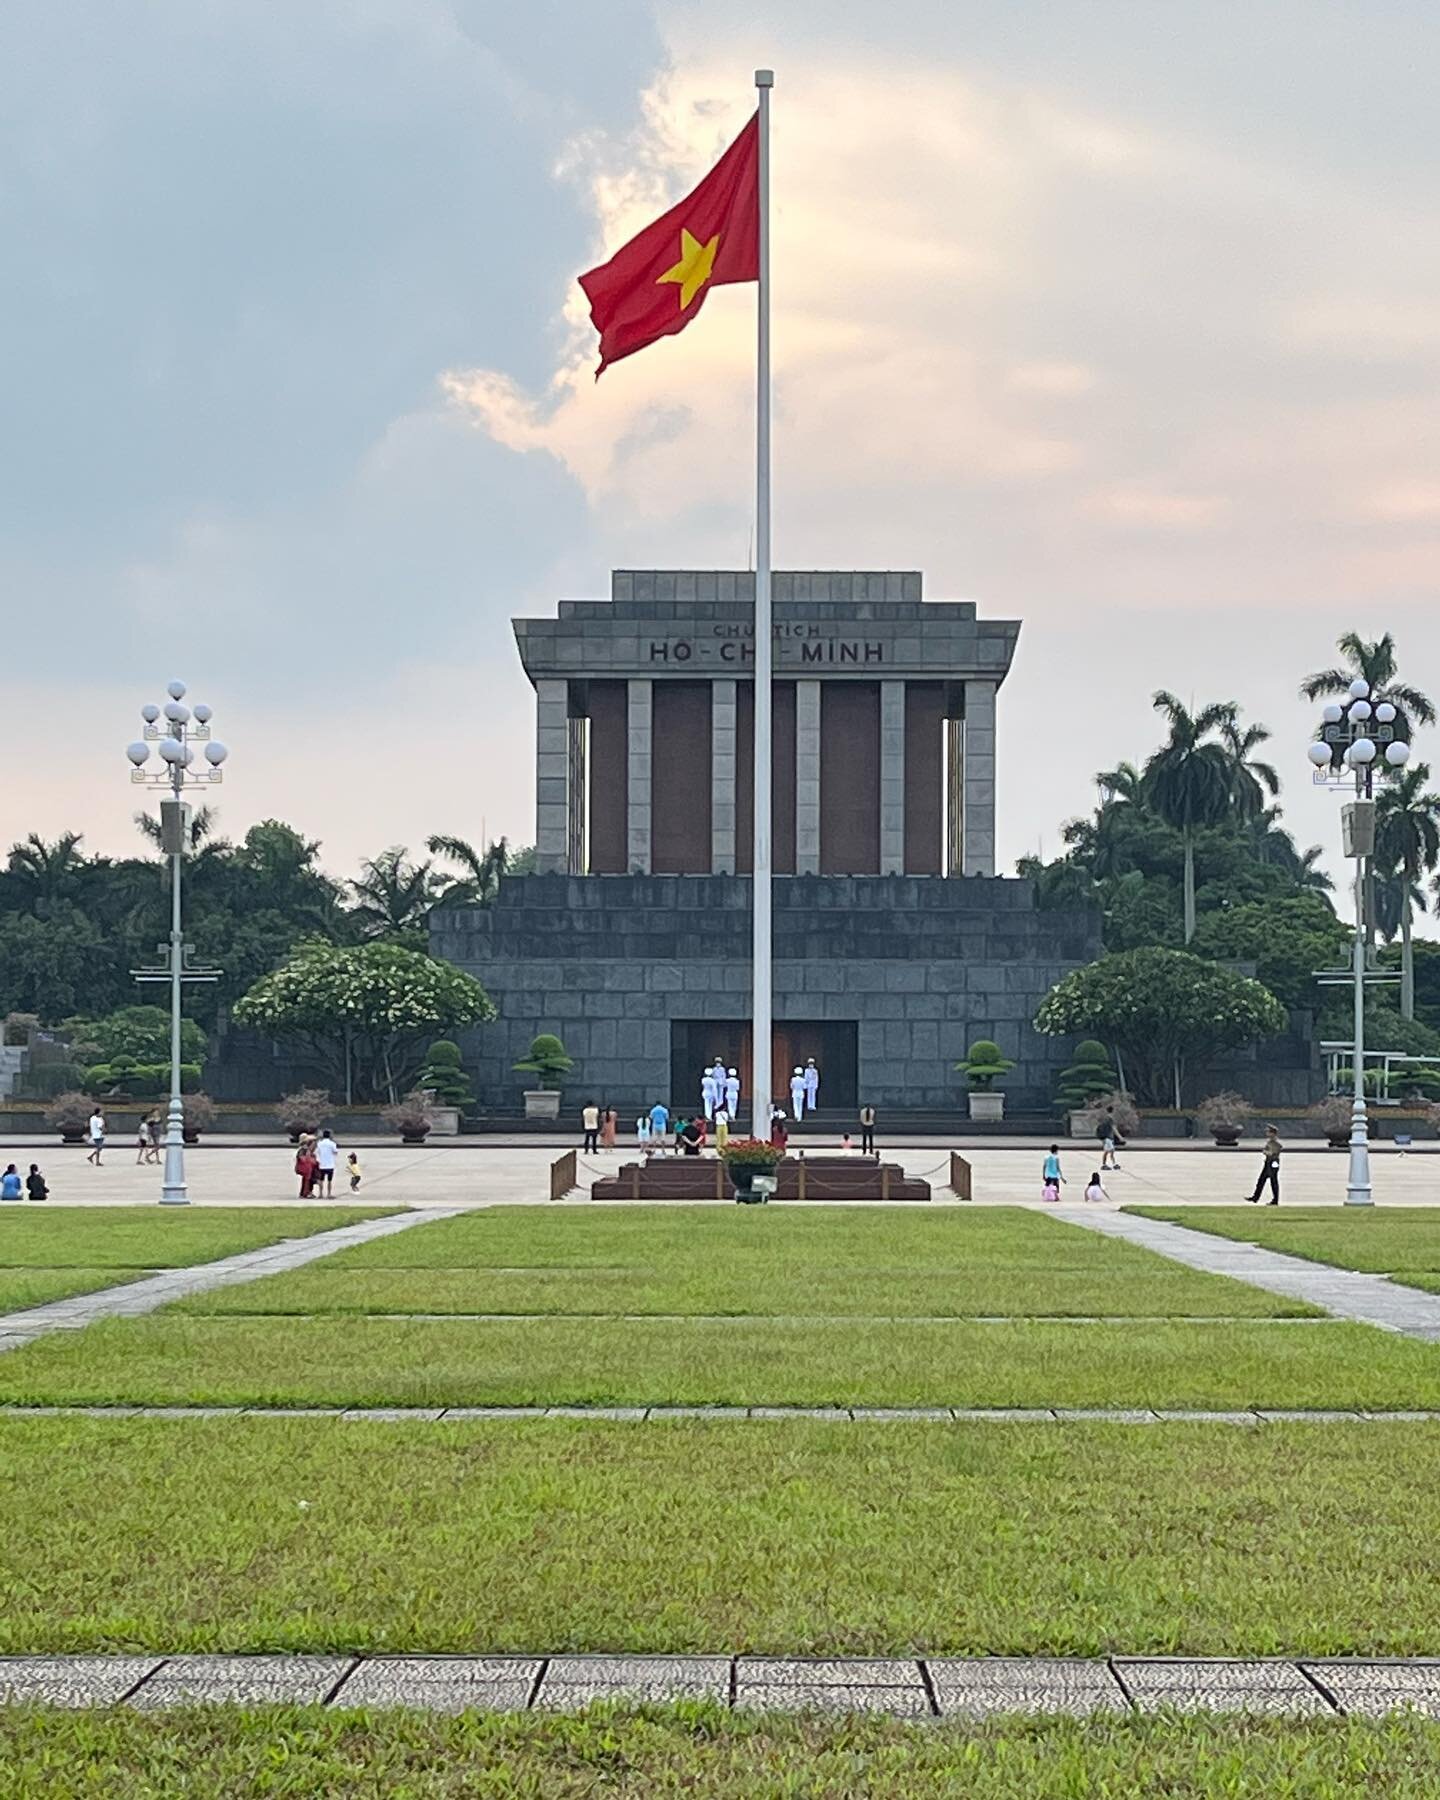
(895, 942)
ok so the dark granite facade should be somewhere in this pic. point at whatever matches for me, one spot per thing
(922, 966)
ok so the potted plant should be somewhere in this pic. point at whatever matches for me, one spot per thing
(547, 1059)
(1333, 1116)
(1088, 1075)
(443, 1077)
(411, 1115)
(750, 1163)
(306, 1109)
(982, 1068)
(1223, 1116)
(200, 1115)
(70, 1113)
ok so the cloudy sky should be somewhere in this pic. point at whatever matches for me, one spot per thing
(1117, 318)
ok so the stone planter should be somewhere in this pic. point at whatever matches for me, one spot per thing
(1226, 1136)
(191, 1134)
(542, 1103)
(986, 1108)
(753, 1183)
(72, 1136)
(446, 1122)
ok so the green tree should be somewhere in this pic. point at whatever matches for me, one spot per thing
(1407, 849)
(1253, 784)
(141, 1033)
(393, 897)
(1288, 940)
(479, 882)
(1160, 1009)
(364, 1012)
(1375, 662)
(1189, 780)
(200, 833)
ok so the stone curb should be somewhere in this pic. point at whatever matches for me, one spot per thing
(905, 1687)
(905, 1415)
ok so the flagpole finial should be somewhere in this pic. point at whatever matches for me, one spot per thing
(764, 78)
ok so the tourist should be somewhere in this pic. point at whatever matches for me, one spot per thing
(732, 1092)
(327, 1154)
(812, 1085)
(709, 1098)
(142, 1142)
(609, 1126)
(659, 1123)
(797, 1092)
(96, 1132)
(1051, 1178)
(35, 1184)
(779, 1136)
(867, 1130)
(1269, 1168)
(691, 1137)
(1108, 1133)
(845, 1144)
(152, 1134)
(642, 1133)
(590, 1124)
(306, 1165)
(11, 1186)
(722, 1129)
(355, 1172)
(1095, 1188)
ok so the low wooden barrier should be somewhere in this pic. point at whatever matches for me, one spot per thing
(960, 1177)
(800, 1177)
(563, 1175)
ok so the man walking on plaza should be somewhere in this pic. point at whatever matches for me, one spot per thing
(97, 1136)
(327, 1154)
(1108, 1133)
(590, 1123)
(1269, 1168)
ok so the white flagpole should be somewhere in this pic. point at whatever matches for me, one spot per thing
(762, 998)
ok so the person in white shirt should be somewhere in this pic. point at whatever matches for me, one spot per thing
(797, 1094)
(97, 1136)
(812, 1085)
(327, 1154)
(732, 1093)
(708, 1096)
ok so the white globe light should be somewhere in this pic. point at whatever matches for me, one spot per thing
(1319, 754)
(149, 714)
(1397, 755)
(1333, 713)
(1385, 713)
(176, 690)
(215, 754)
(172, 750)
(203, 714)
(1358, 712)
(176, 713)
(138, 753)
(1359, 688)
(187, 755)
(1362, 751)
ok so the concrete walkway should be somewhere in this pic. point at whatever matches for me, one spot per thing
(136, 1297)
(921, 1688)
(1367, 1299)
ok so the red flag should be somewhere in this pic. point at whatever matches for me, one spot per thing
(654, 285)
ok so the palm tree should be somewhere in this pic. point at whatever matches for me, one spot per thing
(1253, 783)
(52, 870)
(480, 883)
(1376, 664)
(393, 896)
(1407, 846)
(1189, 781)
(202, 824)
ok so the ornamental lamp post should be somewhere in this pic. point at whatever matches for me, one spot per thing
(176, 732)
(1359, 739)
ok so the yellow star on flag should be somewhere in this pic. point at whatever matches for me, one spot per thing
(693, 269)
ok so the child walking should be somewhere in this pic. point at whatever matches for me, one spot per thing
(1050, 1175)
(354, 1171)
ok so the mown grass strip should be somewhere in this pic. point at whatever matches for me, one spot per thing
(380, 1362)
(1375, 1240)
(22, 1288)
(804, 1538)
(155, 1237)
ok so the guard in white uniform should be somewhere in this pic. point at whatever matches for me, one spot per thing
(732, 1093)
(708, 1096)
(797, 1094)
(812, 1085)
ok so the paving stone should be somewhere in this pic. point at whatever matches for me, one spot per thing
(699, 1412)
(1110, 1415)
(1192, 1417)
(1299, 1416)
(71, 1680)
(799, 1412)
(297, 1680)
(1408, 1418)
(293, 1412)
(1374, 1689)
(442, 1683)
(903, 1414)
(595, 1412)
(898, 1702)
(1010, 1415)
(1220, 1686)
(980, 1702)
(393, 1414)
(493, 1412)
(574, 1681)
(840, 1671)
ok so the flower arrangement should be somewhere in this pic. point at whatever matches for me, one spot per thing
(751, 1153)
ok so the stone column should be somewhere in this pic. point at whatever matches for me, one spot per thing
(892, 777)
(722, 775)
(552, 777)
(979, 804)
(575, 806)
(639, 714)
(807, 777)
(954, 796)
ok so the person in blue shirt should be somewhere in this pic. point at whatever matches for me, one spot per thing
(659, 1121)
(1051, 1175)
(11, 1186)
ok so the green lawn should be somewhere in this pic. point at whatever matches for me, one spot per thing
(1399, 1241)
(274, 1534)
(376, 1361)
(295, 1754)
(1160, 1292)
(20, 1288)
(157, 1237)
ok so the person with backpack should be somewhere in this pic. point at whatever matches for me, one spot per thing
(1108, 1133)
